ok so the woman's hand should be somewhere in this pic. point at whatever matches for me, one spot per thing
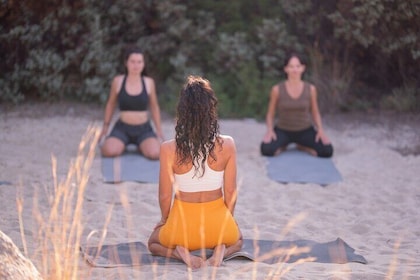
(160, 137)
(160, 224)
(320, 135)
(103, 134)
(269, 136)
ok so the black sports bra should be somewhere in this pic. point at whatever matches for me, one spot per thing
(138, 102)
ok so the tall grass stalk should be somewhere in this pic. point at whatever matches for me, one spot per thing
(19, 205)
(60, 225)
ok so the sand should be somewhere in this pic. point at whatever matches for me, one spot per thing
(375, 209)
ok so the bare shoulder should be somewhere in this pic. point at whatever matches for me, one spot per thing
(149, 80)
(116, 84)
(150, 84)
(311, 86)
(275, 89)
(312, 89)
(118, 79)
(168, 145)
(226, 137)
(228, 141)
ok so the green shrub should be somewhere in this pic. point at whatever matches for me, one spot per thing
(405, 99)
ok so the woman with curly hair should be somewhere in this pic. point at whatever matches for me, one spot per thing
(198, 178)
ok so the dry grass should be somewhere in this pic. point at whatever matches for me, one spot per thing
(60, 226)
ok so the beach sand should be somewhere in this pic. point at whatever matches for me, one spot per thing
(375, 209)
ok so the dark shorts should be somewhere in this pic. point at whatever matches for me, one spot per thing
(132, 134)
(304, 137)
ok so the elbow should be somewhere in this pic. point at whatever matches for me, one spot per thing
(165, 198)
(230, 196)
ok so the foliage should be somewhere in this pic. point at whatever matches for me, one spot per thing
(387, 33)
(405, 99)
(55, 50)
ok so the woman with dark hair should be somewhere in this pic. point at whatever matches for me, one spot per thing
(135, 94)
(197, 183)
(298, 117)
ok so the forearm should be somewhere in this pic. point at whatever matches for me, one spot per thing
(230, 200)
(269, 121)
(318, 122)
(165, 205)
(108, 114)
(157, 121)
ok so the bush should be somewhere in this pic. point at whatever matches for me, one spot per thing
(405, 99)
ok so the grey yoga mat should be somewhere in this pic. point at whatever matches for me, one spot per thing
(267, 251)
(294, 166)
(130, 166)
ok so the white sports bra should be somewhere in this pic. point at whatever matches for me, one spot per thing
(211, 180)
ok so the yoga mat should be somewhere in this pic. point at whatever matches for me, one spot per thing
(267, 251)
(294, 166)
(130, 166)
(5, 183)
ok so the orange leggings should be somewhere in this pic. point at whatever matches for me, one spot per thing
(199, 225)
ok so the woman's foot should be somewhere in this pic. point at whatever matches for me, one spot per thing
(218, 254)
(307, 150)
(193, 262)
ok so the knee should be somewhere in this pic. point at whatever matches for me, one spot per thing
(110, 152)
(112, 147)
(151, 153)
(267, 150)
(326, 151)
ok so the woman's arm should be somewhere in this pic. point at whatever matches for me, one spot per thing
(154, 106)
(316, 115)
(229, 187)
(111, 103)
(166, 179)
(271, 111)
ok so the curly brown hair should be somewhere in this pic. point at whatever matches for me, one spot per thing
(197, 127)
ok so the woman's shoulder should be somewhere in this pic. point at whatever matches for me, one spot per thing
(167, 148)
(227, 141)
(148, 79)
(119, 77)
(311, 87)
(309, 84)
(150, 84)
(275, 89)
(226, 137)
(168, 144)
(117, 83)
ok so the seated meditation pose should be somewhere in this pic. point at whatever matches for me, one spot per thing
(135, 94)
(294, 101)
(197, 183)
